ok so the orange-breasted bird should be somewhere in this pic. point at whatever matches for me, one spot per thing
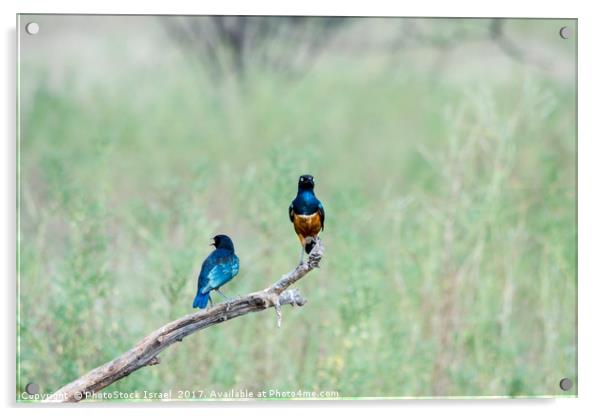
(307, 214)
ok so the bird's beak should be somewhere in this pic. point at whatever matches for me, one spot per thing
(212, 243)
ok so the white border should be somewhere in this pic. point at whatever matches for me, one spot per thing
(590, 207)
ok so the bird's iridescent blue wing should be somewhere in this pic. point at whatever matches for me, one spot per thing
(321, 213)
(223, 270)
(205, 268)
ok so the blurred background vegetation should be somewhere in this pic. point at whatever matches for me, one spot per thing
(444, 152)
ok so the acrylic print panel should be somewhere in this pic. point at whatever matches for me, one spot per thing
(441, 208)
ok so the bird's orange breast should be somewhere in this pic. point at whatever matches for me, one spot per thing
(307, 225)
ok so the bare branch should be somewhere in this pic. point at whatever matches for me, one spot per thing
(512, 49)
(146, 352)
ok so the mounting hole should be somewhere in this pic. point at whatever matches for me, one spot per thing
(565, 32)
(32, 388)
(566, 384)
(32, 28)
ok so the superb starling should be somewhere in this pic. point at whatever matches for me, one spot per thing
(307, 214)
(217, 270)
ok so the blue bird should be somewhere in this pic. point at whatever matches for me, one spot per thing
(217, 270)
(307, 214)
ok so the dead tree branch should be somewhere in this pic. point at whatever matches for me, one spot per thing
(146, 352)
(512, 49)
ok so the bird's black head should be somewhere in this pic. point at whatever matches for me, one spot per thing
(306, 182)
(223, 241)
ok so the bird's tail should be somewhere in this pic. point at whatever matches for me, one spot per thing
(200, 301)
(309, 244)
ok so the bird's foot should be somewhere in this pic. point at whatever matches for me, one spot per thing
(231, 301)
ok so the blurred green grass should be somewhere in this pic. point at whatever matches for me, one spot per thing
(450, 264)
